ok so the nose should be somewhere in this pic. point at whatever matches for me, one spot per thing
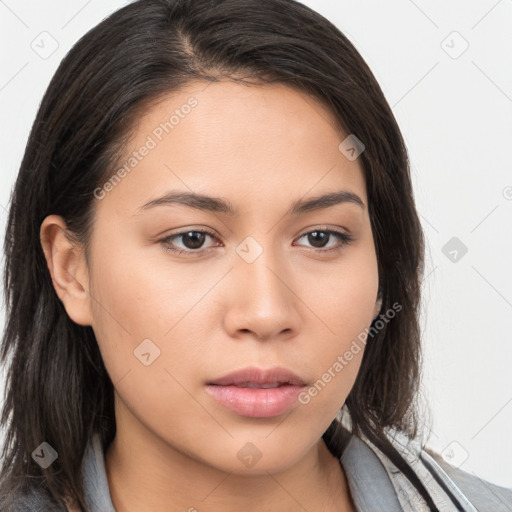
(261, 299)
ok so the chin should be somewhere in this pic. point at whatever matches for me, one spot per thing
(259, 455)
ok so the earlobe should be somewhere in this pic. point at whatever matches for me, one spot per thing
(68, 269)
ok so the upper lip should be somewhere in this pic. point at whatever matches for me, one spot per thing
(256, 377)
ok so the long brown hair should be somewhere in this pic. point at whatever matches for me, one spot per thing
(58, 389)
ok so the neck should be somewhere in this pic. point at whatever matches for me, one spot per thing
(145, 473)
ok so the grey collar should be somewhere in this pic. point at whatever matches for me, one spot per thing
(368, 480)
(374, 481)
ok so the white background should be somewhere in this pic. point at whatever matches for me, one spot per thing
(455, 111)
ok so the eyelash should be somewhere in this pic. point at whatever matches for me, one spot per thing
(344, 238)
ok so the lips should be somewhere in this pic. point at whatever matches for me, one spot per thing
(257, 393)
(256, 378)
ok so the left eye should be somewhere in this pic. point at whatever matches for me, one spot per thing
(193, 241)
(318, 238)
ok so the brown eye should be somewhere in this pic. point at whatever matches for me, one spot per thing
(193, 239)
(192, 242)
(319, 238)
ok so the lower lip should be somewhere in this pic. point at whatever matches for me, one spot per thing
(256, 403)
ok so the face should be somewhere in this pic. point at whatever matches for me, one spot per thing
(183, 295)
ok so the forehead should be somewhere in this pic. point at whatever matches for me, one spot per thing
(258, 144)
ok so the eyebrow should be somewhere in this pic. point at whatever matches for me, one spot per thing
(219, 205)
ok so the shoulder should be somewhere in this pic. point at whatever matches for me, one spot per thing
(38, 499)
(372, 473)
(35, 500)
(483, 495)
(447, 483)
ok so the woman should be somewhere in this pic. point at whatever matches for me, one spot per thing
(213, 266)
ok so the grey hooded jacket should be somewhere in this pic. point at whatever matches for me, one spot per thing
(376, 485)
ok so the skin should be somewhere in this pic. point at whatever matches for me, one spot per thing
(261, 148)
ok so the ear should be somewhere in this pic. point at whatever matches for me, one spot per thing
(68, 269)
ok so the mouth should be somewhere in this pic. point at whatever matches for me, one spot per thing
(257, 393)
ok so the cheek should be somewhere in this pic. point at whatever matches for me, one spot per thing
(344, 295)
(125, 302)
(343, 303)
(151, 320)
(142, 320)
